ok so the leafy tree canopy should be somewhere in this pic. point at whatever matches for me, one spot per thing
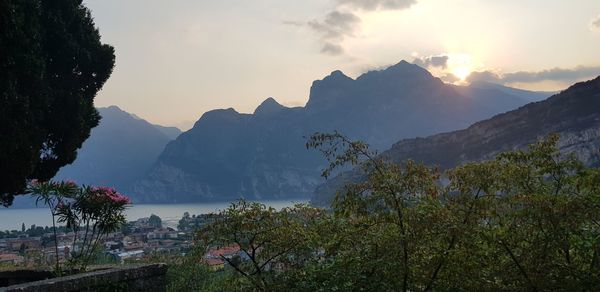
(155, 221)
(528, 220)
(52, 64)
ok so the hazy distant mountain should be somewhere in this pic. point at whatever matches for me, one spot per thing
(574, 113)
(170, 132)
(525, 94)
(262, 155)
(120, 150)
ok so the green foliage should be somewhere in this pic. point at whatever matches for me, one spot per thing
(155, 221)
(97, 211)
(51, 67)
(528, 220)
(184, 223)
(268, 239)
(188, 273)
(190, 224)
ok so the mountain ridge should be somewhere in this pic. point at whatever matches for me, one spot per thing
(119, 151)
(228, 155)
(574, 113)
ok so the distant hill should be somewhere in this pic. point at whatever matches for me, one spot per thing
(119, 151)
(573, 113)
(170, 132)
(530, 96)
(262, 155)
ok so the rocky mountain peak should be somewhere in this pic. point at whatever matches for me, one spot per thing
(230, 155)
(402, 71)
(218, 114)
(270, 105)
(337, 75)
(574, 114)
(330, 88)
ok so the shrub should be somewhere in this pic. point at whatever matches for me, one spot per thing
(97, 211)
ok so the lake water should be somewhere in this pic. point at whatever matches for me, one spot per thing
(11, 219)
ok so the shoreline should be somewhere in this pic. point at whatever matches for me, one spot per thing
(13, 218)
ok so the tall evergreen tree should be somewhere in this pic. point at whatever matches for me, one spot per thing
(52, 64)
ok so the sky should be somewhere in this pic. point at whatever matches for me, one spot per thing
(177, 59)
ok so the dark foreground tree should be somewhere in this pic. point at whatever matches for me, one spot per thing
(52, 64)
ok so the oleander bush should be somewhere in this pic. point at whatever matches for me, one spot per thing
(95, 211)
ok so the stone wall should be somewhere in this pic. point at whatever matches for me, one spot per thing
(123, 278)
(13, 277)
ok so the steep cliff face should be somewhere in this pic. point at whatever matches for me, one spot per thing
(573, 113)
(262, 155)
(230, 155)
(119, 151)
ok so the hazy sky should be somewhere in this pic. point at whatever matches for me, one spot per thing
(178, 59)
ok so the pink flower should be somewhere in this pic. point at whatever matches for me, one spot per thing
(107, 193)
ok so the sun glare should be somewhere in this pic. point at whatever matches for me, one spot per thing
(461, 73)
(460, 65)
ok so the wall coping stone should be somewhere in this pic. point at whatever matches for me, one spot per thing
(136, 277)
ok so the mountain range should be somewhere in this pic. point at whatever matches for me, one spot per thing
(228, 155)
(120, 150)
(573, 113)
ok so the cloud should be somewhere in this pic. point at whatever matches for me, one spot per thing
(332, 49)
(333, 29)
(336, 25)
(595, 23)
(449, 78)
(440, 61)
(555, 74)
(342, 22)
(293, 23)
(371, 5)
(486, 76)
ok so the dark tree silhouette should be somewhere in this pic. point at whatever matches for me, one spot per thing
(52, 64)
(155, 221)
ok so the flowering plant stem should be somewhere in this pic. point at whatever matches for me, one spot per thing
(97, 209)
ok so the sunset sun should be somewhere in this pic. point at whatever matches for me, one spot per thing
(461, 73)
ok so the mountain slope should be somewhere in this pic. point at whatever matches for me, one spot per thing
(262, 155)
(573, 113)
(120, 150)
(171, 132)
